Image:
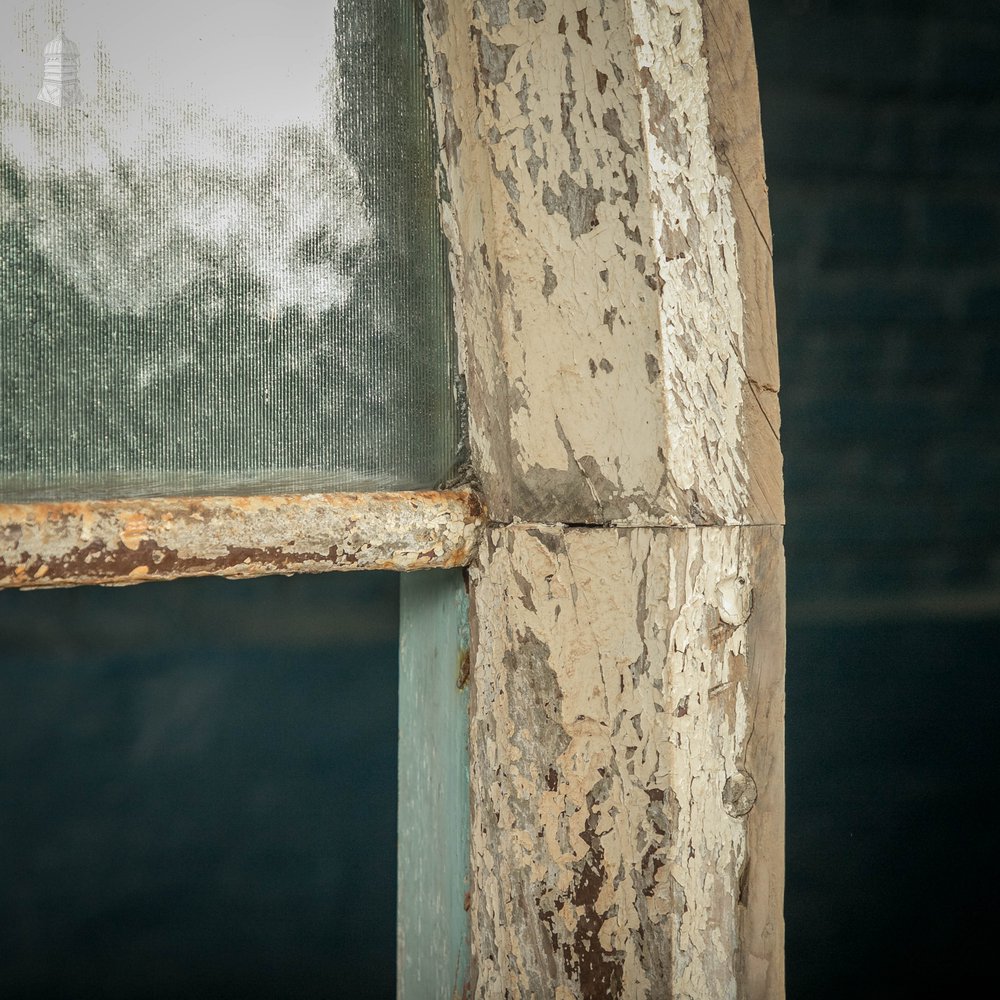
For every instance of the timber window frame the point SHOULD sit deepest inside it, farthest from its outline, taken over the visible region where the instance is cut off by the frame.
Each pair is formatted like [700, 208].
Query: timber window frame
[607, 213]
[604, 784]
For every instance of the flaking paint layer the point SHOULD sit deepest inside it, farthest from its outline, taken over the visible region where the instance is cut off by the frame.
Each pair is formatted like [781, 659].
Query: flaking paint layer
[595, 261]
[111, 542]
[694, 236]
[611, 730]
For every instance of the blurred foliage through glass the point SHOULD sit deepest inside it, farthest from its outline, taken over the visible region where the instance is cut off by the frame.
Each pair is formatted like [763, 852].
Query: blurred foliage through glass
[221, 264]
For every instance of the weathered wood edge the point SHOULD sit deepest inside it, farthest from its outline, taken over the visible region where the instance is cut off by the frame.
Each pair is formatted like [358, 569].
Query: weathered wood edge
[136, 541]
[737, 137]
[760, 966]
[627, 762]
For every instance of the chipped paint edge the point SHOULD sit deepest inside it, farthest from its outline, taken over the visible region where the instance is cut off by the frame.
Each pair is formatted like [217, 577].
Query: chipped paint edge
[640, 731]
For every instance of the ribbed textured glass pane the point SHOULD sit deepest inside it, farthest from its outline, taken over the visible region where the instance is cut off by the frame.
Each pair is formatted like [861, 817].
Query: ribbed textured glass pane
[221, 266]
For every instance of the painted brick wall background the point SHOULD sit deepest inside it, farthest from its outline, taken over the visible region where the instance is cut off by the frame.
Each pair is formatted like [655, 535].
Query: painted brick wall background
[882, 139]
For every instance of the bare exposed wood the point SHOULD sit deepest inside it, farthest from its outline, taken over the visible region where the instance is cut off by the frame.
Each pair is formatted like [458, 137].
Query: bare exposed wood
[761, 966]
[736, 135]
[115, 542]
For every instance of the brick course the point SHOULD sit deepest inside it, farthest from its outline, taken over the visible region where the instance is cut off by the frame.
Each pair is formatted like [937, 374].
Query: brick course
[882, 139]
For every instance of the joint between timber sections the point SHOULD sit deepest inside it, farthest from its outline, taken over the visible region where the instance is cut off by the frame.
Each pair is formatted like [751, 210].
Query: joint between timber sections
[630, 525]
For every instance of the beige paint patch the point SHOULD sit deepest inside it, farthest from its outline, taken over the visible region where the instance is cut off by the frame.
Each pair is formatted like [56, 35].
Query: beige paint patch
[694, 234]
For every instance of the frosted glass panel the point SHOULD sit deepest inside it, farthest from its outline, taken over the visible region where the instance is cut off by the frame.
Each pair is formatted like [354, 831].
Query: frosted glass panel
[221, 267]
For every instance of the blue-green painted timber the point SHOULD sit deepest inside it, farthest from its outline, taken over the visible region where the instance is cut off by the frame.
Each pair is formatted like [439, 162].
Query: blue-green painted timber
[433, 922]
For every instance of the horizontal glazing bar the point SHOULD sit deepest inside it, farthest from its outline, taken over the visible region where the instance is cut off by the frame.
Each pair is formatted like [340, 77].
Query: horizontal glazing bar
[125, 542]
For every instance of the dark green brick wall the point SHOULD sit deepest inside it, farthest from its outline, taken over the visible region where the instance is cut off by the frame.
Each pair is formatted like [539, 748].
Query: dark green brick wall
[882, 139]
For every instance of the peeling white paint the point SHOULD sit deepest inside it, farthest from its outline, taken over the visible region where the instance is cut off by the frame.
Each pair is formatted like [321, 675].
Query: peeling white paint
[596, 264]
[626, 676]
[701, 306]
[611, 790]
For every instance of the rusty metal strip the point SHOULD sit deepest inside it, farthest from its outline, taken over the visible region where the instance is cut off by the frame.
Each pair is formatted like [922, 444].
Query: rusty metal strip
[125, 542]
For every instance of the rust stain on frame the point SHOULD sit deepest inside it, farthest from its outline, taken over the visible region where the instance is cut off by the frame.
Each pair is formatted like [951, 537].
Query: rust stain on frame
[114, 542]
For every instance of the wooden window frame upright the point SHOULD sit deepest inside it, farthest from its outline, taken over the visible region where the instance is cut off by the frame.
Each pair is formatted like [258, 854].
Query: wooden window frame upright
[624, 679]
[591, 767]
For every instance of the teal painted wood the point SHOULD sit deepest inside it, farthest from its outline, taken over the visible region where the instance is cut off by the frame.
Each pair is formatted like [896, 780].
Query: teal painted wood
[433, 922]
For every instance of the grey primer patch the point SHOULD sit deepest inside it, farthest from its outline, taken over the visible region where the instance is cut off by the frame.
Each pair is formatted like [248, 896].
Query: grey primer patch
[576, 204]
[534, 9]
[550, 281]
[498, 12]
[494, 60]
